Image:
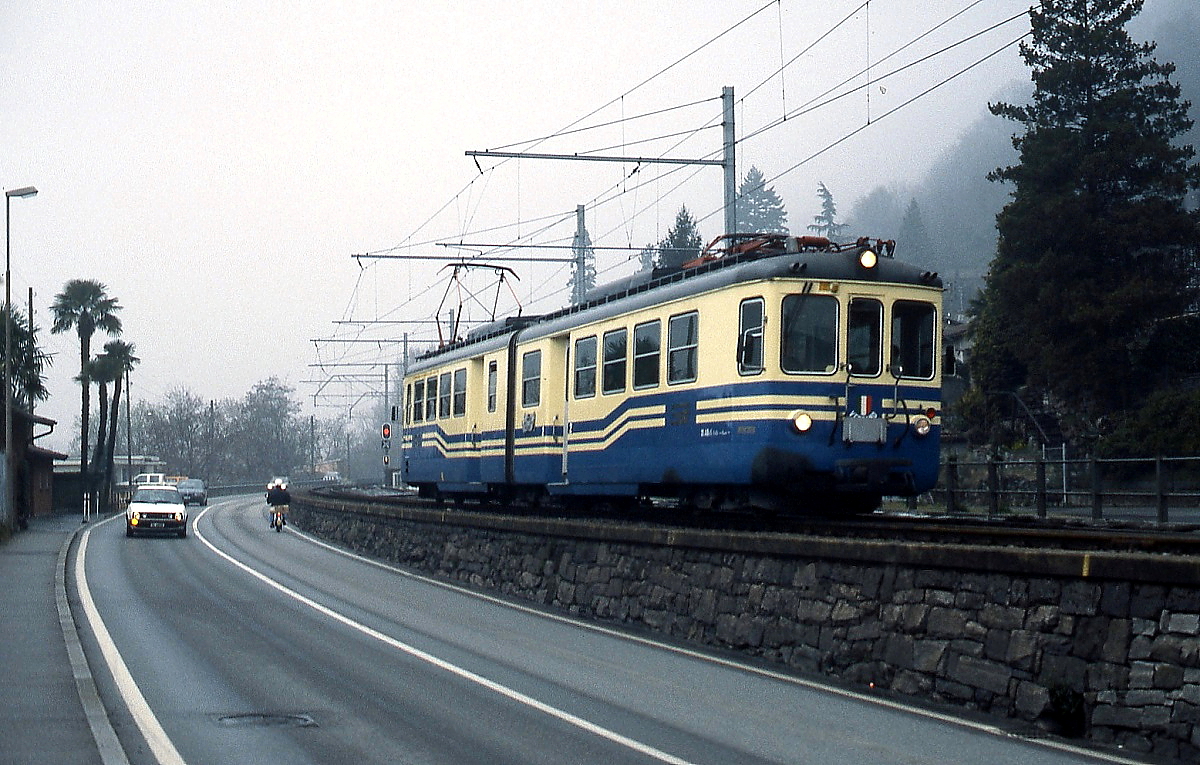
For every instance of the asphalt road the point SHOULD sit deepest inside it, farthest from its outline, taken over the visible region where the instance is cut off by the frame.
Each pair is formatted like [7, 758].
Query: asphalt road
[242, 645]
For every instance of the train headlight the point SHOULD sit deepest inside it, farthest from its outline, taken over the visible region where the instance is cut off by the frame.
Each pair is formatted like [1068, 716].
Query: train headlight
[802, 421]
[868, 259]
[922, 426]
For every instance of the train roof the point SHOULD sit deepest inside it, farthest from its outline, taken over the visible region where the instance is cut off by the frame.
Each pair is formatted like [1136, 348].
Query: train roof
[746, 258]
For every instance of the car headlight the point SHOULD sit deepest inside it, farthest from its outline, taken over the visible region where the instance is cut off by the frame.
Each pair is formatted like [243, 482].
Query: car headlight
[868, 259]
[178, 516]
[922, 426]
[802, 421]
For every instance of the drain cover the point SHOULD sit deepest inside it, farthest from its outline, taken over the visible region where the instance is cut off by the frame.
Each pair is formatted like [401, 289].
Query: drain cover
[266, 720]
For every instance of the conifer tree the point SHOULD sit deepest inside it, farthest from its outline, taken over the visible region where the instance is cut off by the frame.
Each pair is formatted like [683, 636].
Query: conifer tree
[826, 223]
[1096, 250]
[759, 208]
[682, 242]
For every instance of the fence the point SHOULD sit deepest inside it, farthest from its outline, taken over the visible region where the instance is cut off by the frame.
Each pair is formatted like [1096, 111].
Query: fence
[1162, 489]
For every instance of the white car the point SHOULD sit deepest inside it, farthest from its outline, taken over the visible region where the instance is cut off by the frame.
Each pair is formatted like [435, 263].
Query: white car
[156, 510]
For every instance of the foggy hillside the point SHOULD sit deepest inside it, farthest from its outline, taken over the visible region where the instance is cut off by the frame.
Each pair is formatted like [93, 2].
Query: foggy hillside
[955, 231]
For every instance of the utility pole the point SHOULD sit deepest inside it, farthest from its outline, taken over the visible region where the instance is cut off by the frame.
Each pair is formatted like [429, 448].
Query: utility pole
[580, 247]
[729, 162]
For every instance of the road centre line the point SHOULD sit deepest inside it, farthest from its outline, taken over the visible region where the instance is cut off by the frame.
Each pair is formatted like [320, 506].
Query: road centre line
[442, 664]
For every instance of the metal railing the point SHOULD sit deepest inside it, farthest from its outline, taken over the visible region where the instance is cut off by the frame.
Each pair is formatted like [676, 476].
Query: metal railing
[1160, 489]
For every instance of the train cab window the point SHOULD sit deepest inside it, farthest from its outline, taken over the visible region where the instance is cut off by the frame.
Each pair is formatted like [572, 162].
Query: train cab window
[647, 345]
[913, 326]
[808, 339]
[750, 337]
[585, 367]
[531, 378]
[431, 386]
[418, 401]
[444, 395]
[683, 340]
[615, 346]
[459, 403]
[493, 378]
[864, 337]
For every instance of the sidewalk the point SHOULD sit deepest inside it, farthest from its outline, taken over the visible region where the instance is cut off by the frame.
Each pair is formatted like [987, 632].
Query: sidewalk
[41, 717]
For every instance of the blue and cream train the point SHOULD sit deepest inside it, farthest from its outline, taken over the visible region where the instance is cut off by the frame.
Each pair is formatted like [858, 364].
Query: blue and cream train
[773, 371]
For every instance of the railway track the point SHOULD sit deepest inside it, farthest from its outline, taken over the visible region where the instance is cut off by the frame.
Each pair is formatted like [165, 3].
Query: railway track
[1015, 532]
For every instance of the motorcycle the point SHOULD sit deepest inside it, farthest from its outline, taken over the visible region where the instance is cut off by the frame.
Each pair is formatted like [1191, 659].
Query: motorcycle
[278, 521]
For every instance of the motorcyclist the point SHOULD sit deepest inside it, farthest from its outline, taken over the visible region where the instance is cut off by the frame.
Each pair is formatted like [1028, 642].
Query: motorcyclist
[279, 499]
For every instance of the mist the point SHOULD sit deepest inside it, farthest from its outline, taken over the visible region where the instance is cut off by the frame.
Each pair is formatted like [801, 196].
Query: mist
[958, 204]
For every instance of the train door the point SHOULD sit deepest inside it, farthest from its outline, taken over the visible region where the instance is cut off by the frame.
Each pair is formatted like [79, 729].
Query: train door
[566, 410]
[864, 421]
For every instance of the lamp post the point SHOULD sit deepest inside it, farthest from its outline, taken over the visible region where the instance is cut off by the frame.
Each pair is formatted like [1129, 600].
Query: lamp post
[9, 478]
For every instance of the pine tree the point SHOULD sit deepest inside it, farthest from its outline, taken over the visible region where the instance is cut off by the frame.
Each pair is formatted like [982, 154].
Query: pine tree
[826, 224]
[582, 280]
[913, 237]
[759, 208]
[682, 242]
[1095, 245]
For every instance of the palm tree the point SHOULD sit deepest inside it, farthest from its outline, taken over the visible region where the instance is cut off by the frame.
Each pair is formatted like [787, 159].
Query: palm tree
[102, 370]
[120, 356]
[28, 363]
[85, 305]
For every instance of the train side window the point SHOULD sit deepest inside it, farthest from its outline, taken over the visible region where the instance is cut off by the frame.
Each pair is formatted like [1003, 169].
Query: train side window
[913, 325]
[531, 378]
[418, 401]
[615, 346]
[431, 399]
[460, 393]
[683, 340]
[444, 396]
[864, 337]
[493, 378]
[750, 337]
[647, 346]
[585, 367]
[808, 338]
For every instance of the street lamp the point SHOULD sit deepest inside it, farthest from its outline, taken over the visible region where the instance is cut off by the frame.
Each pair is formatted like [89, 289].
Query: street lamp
[9, 478]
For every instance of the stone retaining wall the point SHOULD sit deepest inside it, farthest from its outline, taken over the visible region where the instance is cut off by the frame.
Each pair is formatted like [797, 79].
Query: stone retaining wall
[1115, 661]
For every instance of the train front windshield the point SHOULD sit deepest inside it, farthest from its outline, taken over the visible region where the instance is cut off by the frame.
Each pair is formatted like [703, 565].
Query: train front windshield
[810, 336]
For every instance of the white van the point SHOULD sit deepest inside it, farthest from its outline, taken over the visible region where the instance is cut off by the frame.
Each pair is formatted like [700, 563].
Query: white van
[149, 479]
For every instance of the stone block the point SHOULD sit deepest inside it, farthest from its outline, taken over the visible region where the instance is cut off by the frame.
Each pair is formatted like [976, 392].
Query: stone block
[1023, 649]
[898, 651]
[1068, 671]
[981, 673]
[1147, 601]
[1117, 716]
[1031, 699]
[1114, 599]
[941, 598]
[946, 622]
[1168, 677]
[927, 655]
[1183, 624]
[1080, 598]
[1000, 617]
[1042, 618]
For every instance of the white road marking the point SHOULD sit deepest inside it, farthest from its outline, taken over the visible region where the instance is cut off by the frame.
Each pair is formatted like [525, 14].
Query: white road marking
[993, 730]
[164, 751]
[454, 669]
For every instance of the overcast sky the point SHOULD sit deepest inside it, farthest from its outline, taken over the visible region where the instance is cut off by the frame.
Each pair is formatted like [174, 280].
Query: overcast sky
[217, 164]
